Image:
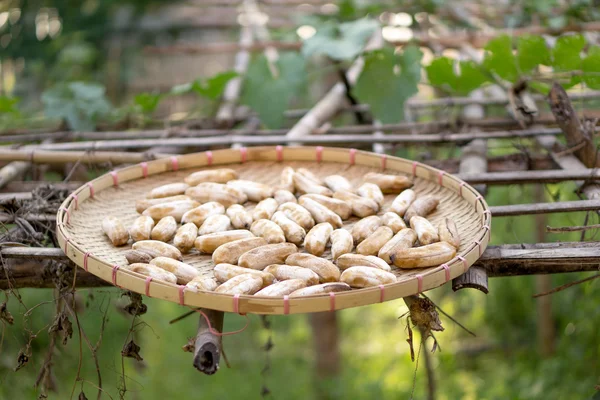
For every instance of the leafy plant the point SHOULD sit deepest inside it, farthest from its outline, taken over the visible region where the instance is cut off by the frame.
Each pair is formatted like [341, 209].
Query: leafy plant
[147, 102]
[210, 88]
[80, 104]
[8, 105]
[462, 80]
[270, 95]
[340, 41]
[388, 80]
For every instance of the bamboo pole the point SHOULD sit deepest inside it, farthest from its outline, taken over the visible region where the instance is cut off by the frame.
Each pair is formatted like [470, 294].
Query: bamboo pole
[499, 261]
[334, 100]
[231, 94]
[250, 140]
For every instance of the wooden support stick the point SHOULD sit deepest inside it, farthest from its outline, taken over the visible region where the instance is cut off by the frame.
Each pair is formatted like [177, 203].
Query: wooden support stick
[12, 171]
[208, 346]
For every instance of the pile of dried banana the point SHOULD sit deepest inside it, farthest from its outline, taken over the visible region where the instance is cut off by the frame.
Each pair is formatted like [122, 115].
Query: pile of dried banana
[257, 251]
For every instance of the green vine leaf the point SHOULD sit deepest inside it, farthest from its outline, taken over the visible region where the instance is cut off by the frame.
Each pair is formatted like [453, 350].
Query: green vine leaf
[81, 104]
[388, 80]
[499, 58]
[8, 105]
[147, 102]
[531, 52]
[468, 77]
[591, 68]
[340, 42]
[270, 96]
[566, 52]
[212, 88]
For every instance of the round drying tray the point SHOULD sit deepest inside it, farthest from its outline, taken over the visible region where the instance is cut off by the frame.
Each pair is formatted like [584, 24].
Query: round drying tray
[80, 235]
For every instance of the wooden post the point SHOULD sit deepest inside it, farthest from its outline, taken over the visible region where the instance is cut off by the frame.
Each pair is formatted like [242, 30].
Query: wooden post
[208, 346]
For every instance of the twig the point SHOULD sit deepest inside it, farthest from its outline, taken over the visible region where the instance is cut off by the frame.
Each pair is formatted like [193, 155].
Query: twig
[183, 316]
[571, 228]
[451, 317]
[566, 286]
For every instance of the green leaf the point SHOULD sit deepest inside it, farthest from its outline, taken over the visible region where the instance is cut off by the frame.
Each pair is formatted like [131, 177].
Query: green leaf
[8, 105]
[213, 87]
[81, 104]
[541, 87]
[531, 52]
[340, 42]
[566, 52]
[441, 73]
[270, 96]
[387, 81]
[499, 58]
[147, 102]
[470, 76]
[591, 68]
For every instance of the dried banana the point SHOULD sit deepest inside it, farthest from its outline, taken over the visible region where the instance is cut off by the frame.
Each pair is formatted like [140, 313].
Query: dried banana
[305, 185]
[365, 227]
[265, 209]
[284, 196]
[393, 221]
[152, 271]
[221, 175]
[229, 253]
[209, 243]
[283, 272]
[260, 257]
[338, 182]
[448, 232]
[205, 283]
[293, 232]
[403, 201]
[286, 181]
[224, 272]
[157, 249]
[426, 232]
[421, 207]
[268, 230]
[165, 229]
[142, 205]
[175, 209]
[281, 288]
[184, 272]
[215, 223]
[323, 288]
[371, 191]
[138, 257]
[241, 284]
[358, 260]
[199, 214]
[362, 277]
[429, 255]
[361, 206]
[372, 244]
[168, 190]
[326, 270]
[298, 214]
[309, 175]
[221, 193]
[317, 238]
[389, 183]
[141, 228]
[254, 190]
[240, 218]
[185, 236]
[404, 239]
[114, 229]
[341, 243]
[340, 207]
[321, 213]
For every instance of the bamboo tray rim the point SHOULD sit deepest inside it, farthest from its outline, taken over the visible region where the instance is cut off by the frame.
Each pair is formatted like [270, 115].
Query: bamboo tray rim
[420, 282]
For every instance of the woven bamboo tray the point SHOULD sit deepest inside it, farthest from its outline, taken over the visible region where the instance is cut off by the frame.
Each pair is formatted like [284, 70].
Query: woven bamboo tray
[80, 235]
